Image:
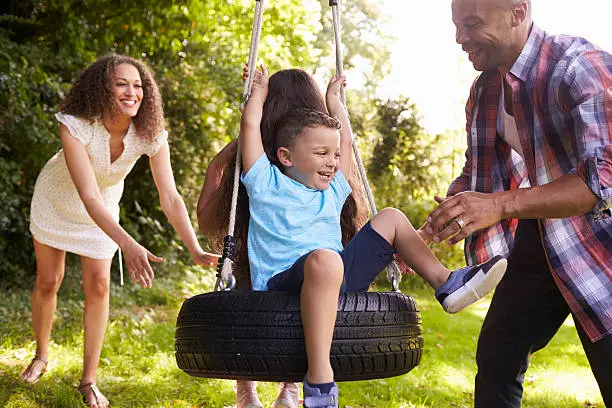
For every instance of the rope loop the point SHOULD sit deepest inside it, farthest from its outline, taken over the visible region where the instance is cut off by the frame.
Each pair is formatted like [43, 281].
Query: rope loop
[223, 285]
[225, 279]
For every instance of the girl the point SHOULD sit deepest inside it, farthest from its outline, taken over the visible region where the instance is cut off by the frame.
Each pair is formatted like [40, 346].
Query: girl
[111, 116]
[288, 90]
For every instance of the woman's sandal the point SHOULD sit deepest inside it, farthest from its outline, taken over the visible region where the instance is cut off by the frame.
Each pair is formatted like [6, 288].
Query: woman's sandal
[92, 397]
[34, 371]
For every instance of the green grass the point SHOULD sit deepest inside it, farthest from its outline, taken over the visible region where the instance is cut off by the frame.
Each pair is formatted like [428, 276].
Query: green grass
[137, 367]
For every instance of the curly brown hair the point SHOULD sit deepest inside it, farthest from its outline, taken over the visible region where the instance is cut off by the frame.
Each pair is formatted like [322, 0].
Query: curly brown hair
[91, 94]
[288, 90]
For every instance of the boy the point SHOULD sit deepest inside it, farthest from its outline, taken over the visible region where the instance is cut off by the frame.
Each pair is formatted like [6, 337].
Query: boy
[294, 238]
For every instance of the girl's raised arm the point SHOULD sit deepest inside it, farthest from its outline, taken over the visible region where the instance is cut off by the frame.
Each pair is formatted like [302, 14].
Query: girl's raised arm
[250, 133]
[336, 108]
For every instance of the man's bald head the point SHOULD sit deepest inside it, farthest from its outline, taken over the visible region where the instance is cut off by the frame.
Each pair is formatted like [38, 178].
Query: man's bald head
[504, 4]
[508, 4]
[492, 32]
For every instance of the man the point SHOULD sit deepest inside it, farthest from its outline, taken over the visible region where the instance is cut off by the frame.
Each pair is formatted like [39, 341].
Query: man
[537, 184]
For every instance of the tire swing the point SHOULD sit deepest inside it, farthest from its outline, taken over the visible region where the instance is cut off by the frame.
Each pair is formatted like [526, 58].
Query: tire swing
[259, 336]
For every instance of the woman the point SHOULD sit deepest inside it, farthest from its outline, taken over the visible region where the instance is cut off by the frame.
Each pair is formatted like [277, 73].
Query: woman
[111, 116]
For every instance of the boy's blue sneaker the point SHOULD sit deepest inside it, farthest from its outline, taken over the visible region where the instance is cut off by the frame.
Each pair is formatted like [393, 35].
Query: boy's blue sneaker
[313, 398]
[467, 285]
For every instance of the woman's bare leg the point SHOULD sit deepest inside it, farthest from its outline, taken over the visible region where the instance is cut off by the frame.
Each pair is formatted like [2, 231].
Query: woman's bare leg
[96, 284]
[50, 267]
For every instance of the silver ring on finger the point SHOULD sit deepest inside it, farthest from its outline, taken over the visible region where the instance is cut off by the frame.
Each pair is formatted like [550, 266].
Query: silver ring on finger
[460, 222]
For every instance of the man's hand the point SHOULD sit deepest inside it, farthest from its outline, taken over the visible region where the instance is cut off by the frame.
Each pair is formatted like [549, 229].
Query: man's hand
[460, 216]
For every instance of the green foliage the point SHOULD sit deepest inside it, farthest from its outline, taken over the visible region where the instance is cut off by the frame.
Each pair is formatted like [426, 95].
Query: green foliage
[196, 50]
[404, 164]
[363, 41]
[27, 138]
[407, 166]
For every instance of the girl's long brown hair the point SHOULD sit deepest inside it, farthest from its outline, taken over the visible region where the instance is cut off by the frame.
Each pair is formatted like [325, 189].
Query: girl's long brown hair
[287, 90]
[91, 94]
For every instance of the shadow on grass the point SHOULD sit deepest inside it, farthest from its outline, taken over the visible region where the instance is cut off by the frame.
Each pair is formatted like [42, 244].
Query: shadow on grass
[45, 393]
[196, 392]
[175, 390]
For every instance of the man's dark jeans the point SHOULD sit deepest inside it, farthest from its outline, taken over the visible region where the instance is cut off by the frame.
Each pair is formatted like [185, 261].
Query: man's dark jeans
[526, 311]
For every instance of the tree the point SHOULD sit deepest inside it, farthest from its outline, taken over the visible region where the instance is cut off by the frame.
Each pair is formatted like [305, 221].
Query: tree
[196, 50]
[407, 166]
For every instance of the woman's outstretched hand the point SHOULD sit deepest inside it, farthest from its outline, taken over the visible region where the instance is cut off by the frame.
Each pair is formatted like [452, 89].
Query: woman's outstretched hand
[137, 260]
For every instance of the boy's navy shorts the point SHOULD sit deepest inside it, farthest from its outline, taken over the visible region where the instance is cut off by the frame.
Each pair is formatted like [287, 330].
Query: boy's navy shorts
[364, 257]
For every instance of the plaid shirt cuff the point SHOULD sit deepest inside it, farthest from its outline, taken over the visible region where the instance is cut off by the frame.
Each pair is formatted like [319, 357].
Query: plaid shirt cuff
[596, 172]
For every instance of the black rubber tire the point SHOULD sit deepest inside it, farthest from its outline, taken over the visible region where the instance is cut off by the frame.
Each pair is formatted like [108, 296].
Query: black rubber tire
[259, 336]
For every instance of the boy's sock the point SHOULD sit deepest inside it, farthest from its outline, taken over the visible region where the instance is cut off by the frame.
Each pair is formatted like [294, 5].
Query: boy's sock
[320, 395]
[467, 285]
[325, 388]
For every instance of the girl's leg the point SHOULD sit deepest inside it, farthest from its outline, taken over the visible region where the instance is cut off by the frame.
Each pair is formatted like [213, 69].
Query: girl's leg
[49, 274]
[393, 225]
[323, 275]
[288, 396]
[246, 395]
[96, 282]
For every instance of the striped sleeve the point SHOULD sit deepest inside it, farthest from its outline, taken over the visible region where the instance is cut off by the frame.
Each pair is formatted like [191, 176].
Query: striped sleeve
[590, 118]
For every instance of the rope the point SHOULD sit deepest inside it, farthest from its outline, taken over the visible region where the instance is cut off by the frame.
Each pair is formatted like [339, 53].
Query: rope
[225, 278]
[393, 273]
[255, 36]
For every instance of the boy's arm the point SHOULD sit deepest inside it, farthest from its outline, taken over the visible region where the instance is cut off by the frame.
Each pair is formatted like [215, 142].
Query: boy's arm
[336, 108]
[250, 133]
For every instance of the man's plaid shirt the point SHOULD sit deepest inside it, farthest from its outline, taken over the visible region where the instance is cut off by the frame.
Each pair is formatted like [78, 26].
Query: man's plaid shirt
[562, 102]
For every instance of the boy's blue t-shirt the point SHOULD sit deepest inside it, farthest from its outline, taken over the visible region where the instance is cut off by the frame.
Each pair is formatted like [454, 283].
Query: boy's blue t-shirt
[289, 219]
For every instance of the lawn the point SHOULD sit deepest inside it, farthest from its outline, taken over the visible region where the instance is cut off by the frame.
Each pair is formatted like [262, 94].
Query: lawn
[138, 369]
